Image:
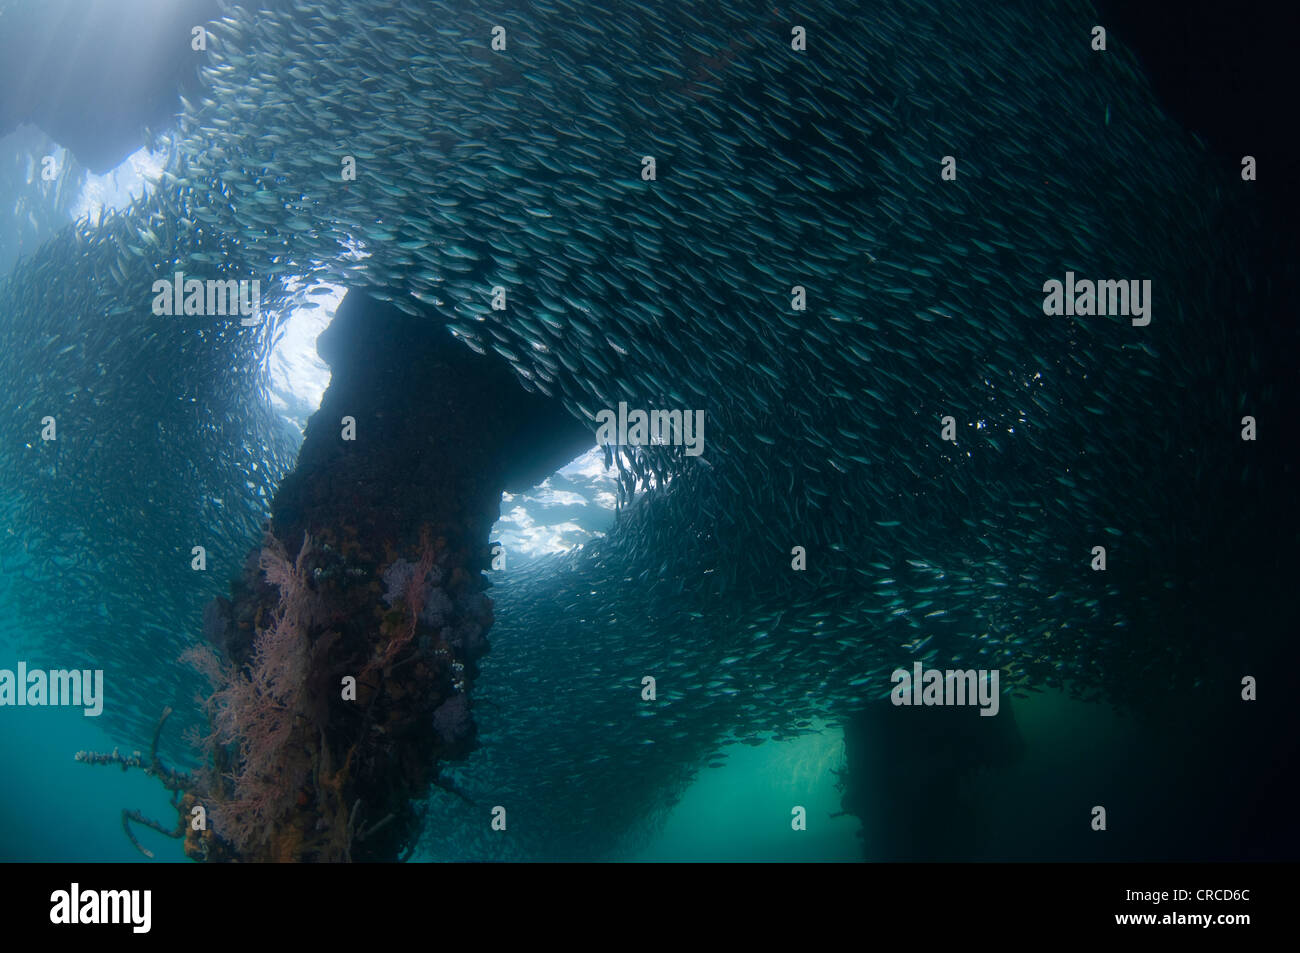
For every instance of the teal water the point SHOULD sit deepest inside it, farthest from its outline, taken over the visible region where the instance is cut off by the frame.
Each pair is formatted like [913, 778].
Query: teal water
[741, 812]
[54, 809]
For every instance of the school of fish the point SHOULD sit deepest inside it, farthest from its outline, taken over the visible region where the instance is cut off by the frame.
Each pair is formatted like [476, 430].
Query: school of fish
[522, 168]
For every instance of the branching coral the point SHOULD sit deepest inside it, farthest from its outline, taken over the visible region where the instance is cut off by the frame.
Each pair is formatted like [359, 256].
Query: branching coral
[259, 708]
[175, 781]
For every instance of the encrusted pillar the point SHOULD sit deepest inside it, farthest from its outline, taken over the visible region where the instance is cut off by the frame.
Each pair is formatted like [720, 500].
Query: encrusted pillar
[344, 662]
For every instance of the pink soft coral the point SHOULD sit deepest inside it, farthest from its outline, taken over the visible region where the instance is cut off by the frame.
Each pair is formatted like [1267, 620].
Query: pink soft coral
[258, 707]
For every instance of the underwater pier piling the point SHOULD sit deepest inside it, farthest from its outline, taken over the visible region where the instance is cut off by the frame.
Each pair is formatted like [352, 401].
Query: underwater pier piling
[343, 663]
